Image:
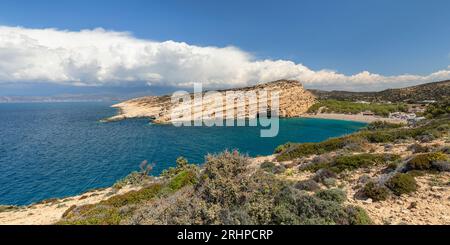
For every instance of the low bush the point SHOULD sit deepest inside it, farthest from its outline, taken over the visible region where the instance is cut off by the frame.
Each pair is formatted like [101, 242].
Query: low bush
[392, 166]
[279, 169]
[445, 150]
[307, 149]
[323, 174]
[272, 167]
[94, 215]
[284, 147]
[425, 138]
[329, 182]
[425, 161]
[334, 195]
[181, 165]
[418, 148]
[312, 210]
[375, 191]
[402, 183]
[268, 166]
[7, 208]
[377, 125]
[352, 162]
[380, 137]
[134, 197]
[182, 179]
[358, 216]
[441, 166]
[437, 109]
[307, 185]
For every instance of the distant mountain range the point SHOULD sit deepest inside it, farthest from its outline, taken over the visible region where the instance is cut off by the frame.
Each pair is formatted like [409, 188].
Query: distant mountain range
[60, 98]
[428, 91]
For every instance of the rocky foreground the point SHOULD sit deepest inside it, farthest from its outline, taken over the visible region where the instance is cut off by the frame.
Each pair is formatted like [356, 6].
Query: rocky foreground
[294, 100]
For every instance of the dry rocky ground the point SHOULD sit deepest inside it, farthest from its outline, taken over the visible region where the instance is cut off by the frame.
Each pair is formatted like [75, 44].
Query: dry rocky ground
[429, 205]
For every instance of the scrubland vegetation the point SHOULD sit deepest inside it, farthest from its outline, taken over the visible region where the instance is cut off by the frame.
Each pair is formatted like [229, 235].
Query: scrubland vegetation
[348, 107]
[224, 191]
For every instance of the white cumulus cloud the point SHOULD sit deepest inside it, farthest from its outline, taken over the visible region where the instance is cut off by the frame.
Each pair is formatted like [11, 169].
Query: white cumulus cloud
[99, 57]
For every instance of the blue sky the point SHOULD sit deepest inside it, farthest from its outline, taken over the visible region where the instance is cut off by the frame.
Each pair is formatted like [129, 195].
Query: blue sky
[383, 37]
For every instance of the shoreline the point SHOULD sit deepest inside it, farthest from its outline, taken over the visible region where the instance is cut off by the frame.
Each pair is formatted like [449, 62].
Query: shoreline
[353, 117]
[49, 211]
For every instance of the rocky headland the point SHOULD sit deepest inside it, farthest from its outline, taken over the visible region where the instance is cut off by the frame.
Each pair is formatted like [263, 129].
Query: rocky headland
[294, 100]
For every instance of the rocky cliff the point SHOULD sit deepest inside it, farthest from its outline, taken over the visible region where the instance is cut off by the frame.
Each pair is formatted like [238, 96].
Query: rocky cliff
[294, 100]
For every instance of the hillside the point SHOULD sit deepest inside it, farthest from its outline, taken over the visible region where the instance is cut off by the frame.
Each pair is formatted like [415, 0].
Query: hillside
[429, 91]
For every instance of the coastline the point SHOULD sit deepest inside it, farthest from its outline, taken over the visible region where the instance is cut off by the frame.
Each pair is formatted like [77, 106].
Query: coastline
[427, 210]
[50, 211]
[352, 117]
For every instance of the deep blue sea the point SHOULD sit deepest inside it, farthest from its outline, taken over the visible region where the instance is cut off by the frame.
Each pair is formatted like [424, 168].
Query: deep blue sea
[60, 149]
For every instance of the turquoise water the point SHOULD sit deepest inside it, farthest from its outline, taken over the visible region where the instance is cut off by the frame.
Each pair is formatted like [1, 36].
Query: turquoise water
[60, 149]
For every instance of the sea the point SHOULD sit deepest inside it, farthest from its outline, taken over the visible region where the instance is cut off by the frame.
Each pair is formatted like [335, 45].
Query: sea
[53, 150]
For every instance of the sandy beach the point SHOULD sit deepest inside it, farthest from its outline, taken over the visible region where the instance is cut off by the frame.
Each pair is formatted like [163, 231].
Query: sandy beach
[353, 117]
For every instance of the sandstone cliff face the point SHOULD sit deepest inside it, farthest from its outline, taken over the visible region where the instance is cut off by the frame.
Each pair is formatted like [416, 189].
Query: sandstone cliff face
[294, 100]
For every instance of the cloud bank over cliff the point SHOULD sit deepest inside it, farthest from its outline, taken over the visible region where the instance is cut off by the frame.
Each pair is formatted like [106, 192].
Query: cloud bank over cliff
[100, 57]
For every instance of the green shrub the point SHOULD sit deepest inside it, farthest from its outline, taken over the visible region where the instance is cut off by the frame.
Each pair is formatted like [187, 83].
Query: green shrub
[330, 182]
[348, 107]
[352, 162]
[375, 192]
[441, 166]
[135, 178]
[322, 174]
[284, 147]
[424, 161]
[392, 166]
[181, 165]
[418, 148]
[380, 137]
[92, 214]
[279, 169]
[402, 183]
[307, 185]
[182, 179]
[307, 149]
[437, 109]
[7, 208]
[358, 216]
[377, 125]
[133, 197]
[313, 210]
[334, 195]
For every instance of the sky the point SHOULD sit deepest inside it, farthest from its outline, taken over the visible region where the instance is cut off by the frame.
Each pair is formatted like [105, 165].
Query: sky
[91, 46]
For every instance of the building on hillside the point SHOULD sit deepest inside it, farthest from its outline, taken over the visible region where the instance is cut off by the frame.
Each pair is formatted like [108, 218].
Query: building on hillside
[402, 116]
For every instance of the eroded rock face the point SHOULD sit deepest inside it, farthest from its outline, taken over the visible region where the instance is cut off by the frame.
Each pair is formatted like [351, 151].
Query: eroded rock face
[294, 100]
